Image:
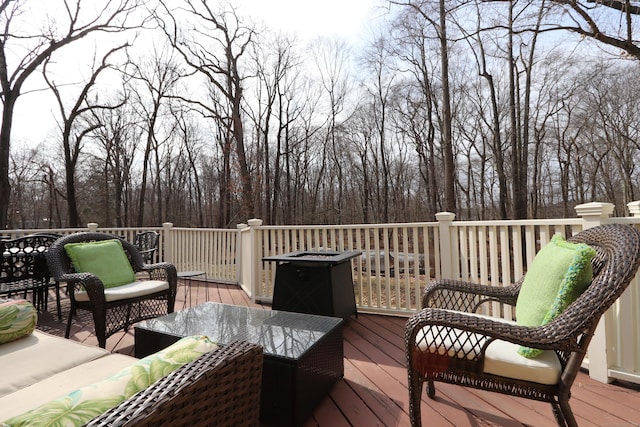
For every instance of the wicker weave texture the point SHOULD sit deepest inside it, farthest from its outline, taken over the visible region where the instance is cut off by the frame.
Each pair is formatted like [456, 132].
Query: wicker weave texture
[221, 389]
[614, 266]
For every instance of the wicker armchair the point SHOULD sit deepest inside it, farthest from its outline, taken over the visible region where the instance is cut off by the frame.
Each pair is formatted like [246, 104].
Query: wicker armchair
[464, 338]
[110, 316]
[221, 389]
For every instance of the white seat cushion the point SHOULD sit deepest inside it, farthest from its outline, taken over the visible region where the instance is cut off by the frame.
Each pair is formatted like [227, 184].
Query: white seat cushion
[131, 290]
[35, 357]
[62, 383]
[501, 357]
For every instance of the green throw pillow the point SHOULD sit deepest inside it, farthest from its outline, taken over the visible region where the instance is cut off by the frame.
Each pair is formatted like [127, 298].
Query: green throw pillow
[559, 273]
[82, 405]
[17, 319]
[105, 258]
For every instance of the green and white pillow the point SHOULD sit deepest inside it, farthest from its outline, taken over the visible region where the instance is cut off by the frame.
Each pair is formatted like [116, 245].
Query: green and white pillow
[559, 273]
[82, 405]
[17, 319]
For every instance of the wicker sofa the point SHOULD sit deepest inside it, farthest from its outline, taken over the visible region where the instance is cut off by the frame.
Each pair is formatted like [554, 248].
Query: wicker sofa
[219, 388]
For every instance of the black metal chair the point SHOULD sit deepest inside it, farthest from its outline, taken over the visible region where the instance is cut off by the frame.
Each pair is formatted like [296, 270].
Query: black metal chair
[147, 244]
[112, 313]
[24, 269]
[448, 342]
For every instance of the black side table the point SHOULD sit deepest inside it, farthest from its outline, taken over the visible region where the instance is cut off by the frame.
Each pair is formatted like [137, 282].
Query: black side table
[187, 276]
[317, 282]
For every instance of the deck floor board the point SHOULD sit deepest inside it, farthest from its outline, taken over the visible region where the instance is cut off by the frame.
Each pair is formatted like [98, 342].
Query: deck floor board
[374, 389]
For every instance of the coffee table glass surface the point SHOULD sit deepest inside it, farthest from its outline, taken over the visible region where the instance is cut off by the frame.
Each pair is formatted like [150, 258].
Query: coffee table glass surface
[281, 334]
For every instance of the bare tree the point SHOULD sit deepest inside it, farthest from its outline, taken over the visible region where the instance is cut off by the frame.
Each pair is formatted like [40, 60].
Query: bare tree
[423, 9]
[72, 23]
[276, 65]
[377, 62]
[72, 142]
[28, 210]
[611, 22]
[190, 138]
[491, 116]
[587, 20]
[214, 47]
[612, 110]
[116, 138]
[331, 60]
[421, 106]
[157, 77]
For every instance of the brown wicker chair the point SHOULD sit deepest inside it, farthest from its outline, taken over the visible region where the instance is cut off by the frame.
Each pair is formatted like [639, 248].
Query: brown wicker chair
[448, 301]
[221, 389]
[111, 316]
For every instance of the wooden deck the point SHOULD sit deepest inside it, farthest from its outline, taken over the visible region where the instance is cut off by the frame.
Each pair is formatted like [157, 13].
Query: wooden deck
[374, 389]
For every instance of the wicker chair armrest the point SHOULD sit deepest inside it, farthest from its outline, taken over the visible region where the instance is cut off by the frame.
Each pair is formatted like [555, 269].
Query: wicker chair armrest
[467, 297]
[163, 271]
[164, 268]
[146, 252]
[86, 281]
[221, 388]
[458, 326]
[78, 278]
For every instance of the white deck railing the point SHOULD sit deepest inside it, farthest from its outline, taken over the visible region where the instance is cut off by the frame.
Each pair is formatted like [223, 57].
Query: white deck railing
[398, 260]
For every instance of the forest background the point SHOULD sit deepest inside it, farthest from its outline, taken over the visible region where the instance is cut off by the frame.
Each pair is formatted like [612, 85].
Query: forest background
[194, 112]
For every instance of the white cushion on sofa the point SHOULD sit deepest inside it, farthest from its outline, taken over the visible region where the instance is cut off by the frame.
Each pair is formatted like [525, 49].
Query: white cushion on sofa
[33, 358]
[502, 358]
[131, 290]
[62, 383]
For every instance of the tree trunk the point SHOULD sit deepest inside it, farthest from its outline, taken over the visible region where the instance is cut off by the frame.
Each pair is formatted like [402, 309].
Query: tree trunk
[5, 148]
[447, 138]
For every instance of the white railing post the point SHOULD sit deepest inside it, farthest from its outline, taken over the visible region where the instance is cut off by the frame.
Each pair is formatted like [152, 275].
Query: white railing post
[594, 214]
[251, 244]
[447, 257]
[167, 239]
[92, 226]
[634, 208]
[243, 253]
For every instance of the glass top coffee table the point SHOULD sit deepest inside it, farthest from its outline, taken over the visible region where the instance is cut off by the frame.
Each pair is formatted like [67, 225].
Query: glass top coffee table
[303, 353]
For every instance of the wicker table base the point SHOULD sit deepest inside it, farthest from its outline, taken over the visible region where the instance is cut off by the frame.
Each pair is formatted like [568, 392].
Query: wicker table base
[303, 354]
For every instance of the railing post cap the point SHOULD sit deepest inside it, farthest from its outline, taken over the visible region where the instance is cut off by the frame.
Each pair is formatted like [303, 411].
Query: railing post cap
[254, 222]
[634, 208]
[167, 224]
[92, 225]
[595, 209]
[445, 216]
[241, 226]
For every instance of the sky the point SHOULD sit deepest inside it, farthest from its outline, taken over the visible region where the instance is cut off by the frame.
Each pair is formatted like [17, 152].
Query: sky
[350, 20]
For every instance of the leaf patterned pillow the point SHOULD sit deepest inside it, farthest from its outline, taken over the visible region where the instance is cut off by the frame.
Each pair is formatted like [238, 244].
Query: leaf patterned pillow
[88, 402]
[17, 319]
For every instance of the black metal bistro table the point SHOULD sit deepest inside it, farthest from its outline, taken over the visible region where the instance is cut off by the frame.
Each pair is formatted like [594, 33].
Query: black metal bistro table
[315, 282]
[303, 354]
